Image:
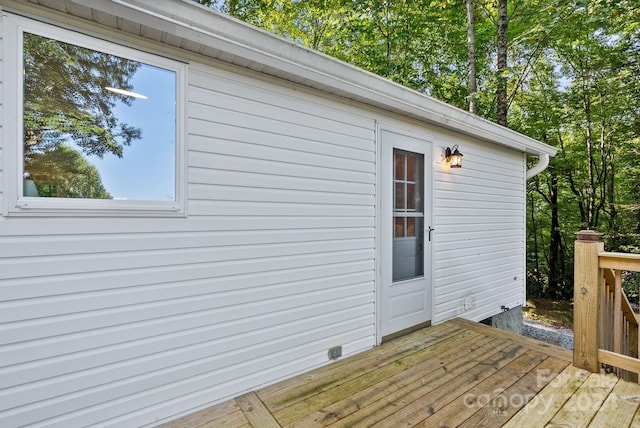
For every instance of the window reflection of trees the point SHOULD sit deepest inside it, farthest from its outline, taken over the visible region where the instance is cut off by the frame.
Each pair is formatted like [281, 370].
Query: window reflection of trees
[65, 101]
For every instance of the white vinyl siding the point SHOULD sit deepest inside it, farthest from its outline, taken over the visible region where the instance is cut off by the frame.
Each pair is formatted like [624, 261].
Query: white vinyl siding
[106, 319]
[480, 248]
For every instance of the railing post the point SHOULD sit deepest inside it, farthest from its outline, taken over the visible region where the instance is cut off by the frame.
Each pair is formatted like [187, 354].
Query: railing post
[586, 290]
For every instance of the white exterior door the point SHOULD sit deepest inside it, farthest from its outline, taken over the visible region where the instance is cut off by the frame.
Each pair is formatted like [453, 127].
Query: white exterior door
[405, 232]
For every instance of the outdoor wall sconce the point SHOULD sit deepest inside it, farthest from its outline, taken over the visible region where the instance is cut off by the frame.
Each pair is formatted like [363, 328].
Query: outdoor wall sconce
[453, 157]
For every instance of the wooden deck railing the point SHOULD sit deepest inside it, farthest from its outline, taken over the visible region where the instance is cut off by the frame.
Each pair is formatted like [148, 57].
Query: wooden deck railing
[605, 325]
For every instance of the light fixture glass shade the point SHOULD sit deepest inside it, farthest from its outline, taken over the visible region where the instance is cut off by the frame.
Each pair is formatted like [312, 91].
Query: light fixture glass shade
[453, 157]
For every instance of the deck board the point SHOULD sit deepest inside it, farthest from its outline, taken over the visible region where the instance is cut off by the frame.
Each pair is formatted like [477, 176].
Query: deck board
[458, 373]
[508, 402]
[347, 389]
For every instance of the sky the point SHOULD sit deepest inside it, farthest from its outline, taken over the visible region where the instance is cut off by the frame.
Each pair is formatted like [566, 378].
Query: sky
[147, 169]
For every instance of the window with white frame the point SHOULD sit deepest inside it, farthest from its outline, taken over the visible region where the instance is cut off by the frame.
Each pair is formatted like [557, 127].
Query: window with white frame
[100, 125]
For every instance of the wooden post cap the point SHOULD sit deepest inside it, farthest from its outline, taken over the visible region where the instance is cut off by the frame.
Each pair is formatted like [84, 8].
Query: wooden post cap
[589, 236]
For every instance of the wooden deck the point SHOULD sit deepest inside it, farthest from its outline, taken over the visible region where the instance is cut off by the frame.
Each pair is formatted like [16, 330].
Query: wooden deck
[455, 374]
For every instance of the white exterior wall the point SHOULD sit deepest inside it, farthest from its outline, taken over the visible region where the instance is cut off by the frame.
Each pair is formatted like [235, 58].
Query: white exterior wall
[105, 318]
[125, 321]
[480, 214]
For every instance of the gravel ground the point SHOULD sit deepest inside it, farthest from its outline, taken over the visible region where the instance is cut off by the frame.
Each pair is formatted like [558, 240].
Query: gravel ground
[557, 336]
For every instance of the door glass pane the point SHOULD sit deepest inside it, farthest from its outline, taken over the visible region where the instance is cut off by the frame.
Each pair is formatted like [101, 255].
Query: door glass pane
[400, 197]
[408, 239]
[411, 196]
[411, 168]
[411, 226]
[399, 166]
[399, 227]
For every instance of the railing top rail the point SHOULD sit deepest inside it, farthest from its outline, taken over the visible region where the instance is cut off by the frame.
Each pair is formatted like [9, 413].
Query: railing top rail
[622, 261]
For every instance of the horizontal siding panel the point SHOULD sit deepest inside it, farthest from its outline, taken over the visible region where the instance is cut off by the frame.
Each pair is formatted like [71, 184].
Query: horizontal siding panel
[140, 416]
[239, 127]
[481, 181]
[211, 142]
[505, 168]
[167, 275]
[475, 201]
[138, 333]
[242, 209]
[79, 355]
[201, 357]
[24, 227]
[446, 269]
[486, 254]
[447, 188]
[513, 239]
[201, 161]
[484, 308]
[507, 289]
[259, 178]
[293, 100]
[516, 212]
[25, 309]
[86, 244]
[330, 197]
[494, 159]
[461, 218]
[113, 398]
[480, 232]
[264, 117]
[498, 295]
[166, 320]
[480, 226]
[39, 328]
[510, 289]
[458, 286]
[258, 372]
[264, 258]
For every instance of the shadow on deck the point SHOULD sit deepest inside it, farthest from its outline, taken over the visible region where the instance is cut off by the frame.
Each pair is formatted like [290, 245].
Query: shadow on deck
[458, 373]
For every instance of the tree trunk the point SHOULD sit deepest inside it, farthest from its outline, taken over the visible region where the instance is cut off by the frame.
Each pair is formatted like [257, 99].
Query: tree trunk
[501, 69]
[471, 43]
[534, 289]
[591, 190]
[555, 241]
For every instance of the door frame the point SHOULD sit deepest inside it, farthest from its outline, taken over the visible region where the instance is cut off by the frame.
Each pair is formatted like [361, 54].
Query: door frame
[429, 189]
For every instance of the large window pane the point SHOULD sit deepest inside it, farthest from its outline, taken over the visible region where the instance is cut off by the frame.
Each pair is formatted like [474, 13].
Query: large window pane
[96, 125]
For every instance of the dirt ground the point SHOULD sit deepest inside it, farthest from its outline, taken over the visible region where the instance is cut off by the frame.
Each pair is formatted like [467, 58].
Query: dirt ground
[556, 313]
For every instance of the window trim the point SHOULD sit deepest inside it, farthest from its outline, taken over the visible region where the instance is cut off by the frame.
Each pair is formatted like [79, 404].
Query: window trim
[15, 204]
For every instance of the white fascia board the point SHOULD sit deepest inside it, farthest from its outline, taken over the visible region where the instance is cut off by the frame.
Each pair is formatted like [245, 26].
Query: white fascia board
[280, 57]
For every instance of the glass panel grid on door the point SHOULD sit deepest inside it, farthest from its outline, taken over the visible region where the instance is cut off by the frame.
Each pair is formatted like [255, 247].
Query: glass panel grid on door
[408, 215]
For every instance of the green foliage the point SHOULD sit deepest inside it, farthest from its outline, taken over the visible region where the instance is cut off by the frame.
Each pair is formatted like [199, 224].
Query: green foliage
[64, 97]
[64, 173]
